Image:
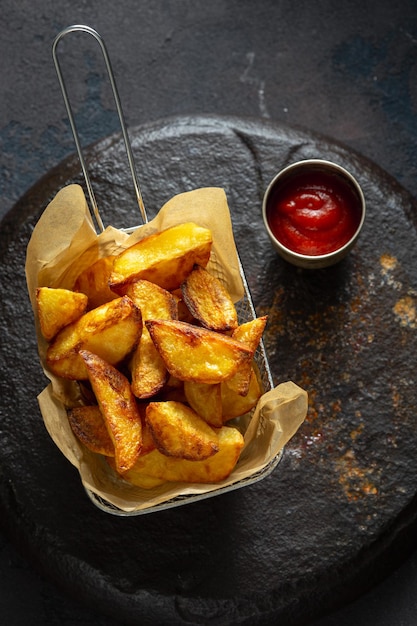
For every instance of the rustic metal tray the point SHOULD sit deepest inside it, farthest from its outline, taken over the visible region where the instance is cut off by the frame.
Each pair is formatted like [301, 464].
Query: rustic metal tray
[341, 511]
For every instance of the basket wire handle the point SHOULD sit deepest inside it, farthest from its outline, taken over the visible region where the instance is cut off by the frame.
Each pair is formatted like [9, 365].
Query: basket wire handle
[98, 38]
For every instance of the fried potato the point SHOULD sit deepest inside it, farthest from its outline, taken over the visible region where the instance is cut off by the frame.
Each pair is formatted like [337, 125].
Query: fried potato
[58, 308]
[155, 309]
[249, 333]
[171, 469]
[153, 301]
[88, 425]
[193, 353]
[234, 404]
[178, 431]
[208, 301]
[149, 373]
[94, 282]
[164, 258]
[206, 401]
[111, 331]
[118, 407]
[141, 480]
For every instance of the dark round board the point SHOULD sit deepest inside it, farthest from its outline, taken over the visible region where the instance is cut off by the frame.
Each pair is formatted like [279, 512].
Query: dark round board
[339, 510]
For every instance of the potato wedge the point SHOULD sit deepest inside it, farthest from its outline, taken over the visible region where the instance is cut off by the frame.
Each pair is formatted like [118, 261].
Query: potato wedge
[153, 301]
[209, 301]
[178, 431]
[141, 480]
[206, 400]
[88, 425]
[249, 333]
[118, 407]
[94, 282]
[58, 308]
[111, 331]
[234, 404]
[164, 258]
[193, 353]
[149, 372]
[171, 469]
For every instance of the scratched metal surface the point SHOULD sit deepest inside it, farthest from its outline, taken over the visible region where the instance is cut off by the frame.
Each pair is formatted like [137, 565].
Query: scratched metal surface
[330, 519]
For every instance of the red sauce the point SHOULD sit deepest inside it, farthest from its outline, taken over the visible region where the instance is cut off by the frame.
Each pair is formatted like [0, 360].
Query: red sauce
[314, 213]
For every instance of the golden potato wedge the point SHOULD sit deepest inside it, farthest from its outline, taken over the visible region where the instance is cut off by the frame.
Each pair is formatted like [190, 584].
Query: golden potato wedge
[206, 401]
[234, 404]
[178, 431]
[88, 425]
[153, 301]
[118, 407]
[249, 333]
[142, 481]
[58, 308]
[111, 331]
[171, 469]
[149, 373]
[94, 282]
[164, 258]
[209, 301]
[194, 353]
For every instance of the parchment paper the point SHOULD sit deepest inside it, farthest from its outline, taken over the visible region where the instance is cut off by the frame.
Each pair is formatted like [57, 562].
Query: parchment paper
[63, 244]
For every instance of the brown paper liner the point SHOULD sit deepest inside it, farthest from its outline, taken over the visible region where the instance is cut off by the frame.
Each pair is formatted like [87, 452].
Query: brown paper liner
[63, 244]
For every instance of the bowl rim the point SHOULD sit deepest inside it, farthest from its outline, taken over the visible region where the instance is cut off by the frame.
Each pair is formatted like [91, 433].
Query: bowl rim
[315, 163]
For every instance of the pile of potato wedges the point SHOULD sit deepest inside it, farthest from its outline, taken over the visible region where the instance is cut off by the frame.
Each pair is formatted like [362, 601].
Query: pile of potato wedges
[154, 340]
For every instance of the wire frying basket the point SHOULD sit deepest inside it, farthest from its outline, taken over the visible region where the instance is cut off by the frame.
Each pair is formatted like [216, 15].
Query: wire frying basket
[245, 307]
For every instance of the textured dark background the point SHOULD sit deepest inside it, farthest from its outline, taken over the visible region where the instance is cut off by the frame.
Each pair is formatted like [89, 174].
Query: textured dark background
[347, 71]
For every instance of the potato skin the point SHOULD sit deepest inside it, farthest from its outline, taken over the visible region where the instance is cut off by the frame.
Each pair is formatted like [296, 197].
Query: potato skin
[88, 425]
[208, 301]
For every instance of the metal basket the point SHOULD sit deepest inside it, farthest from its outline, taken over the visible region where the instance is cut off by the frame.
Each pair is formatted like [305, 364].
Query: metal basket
[245, 308]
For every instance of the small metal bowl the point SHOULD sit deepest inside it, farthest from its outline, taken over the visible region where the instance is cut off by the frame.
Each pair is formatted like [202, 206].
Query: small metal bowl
[314, 174]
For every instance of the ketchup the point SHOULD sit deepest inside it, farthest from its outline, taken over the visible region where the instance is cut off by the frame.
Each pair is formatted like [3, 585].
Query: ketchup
[314, 212]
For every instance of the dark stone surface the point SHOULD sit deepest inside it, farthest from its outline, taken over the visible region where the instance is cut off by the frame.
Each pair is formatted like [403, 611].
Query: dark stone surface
[338, 512]
[345, 70]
